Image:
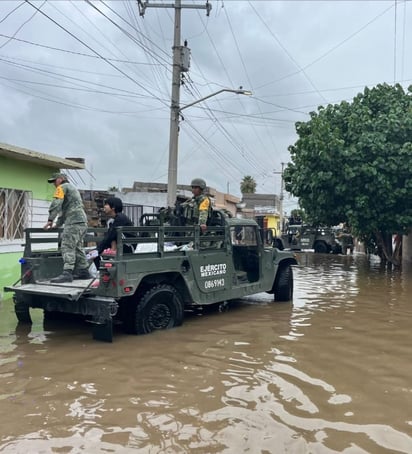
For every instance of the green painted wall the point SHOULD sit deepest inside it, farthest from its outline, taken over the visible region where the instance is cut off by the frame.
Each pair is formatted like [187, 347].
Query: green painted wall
[9, 271]
[27, 176]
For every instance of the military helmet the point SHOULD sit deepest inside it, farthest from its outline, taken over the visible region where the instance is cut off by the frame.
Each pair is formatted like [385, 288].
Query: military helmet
[56, 175]
[199, 182]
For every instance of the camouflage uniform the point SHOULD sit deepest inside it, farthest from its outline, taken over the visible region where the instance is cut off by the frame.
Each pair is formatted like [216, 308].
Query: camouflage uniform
[346, 240]
[67, 203]
[197, 210]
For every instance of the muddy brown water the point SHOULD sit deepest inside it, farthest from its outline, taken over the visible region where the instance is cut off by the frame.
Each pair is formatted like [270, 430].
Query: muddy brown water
[329, 373]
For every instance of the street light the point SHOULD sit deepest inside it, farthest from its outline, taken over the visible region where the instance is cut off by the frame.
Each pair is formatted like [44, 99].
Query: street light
[175, 112]
[231, 90]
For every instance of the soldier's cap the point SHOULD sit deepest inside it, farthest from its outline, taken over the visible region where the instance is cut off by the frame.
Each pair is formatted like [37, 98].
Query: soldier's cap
[56, 175]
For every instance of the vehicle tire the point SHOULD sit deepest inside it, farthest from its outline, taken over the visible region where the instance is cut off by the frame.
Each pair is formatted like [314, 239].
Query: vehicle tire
[22, 311]
[278, 244]
[284, 284]
[336, 249]
[320, 247]
[53, 315]
[161, 307]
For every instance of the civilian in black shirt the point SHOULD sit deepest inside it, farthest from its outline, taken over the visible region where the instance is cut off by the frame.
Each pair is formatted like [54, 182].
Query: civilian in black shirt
[113, 208]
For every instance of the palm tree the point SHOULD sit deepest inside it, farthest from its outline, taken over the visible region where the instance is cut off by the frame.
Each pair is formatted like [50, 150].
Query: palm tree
[248, 185]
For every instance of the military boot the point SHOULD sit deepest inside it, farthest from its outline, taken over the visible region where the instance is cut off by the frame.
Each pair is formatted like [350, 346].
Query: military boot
[82, 274]
[66, 276]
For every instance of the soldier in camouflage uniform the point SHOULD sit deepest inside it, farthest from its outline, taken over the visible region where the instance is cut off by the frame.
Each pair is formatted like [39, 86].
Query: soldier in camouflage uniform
[198, 209]
[68, 206]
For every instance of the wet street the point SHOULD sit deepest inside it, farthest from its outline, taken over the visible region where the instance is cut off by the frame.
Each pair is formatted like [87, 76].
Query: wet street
[329, 373]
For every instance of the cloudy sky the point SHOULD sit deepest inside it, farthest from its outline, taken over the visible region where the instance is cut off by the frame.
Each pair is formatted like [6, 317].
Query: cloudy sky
[93, 79]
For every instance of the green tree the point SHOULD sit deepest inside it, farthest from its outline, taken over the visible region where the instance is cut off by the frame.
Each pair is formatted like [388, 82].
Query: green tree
[352, 163]
[113, 189]
[248, 185]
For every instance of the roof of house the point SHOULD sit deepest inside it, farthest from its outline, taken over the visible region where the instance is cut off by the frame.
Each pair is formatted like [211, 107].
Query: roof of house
[23, 154]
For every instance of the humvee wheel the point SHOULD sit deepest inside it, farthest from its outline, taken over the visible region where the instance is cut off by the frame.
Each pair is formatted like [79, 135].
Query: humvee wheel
[22, 310]
[336, 249]
[53, 315]
[320, 247]
[284, 284]
[161, 307]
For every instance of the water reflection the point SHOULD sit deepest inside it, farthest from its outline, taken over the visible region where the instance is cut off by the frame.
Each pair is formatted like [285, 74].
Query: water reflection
[328, 373]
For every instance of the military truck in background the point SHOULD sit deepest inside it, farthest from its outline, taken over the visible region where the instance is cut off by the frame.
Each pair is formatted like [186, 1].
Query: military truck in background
[301, 237]
[173, 268]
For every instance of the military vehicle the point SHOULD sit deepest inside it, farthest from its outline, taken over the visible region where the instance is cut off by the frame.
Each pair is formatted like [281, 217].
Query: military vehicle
[173, 268]
[300, 237]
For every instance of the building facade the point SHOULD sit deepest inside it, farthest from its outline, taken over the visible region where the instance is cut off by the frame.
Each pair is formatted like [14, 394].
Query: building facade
[25, 197]
[265, 209]
[155, 194]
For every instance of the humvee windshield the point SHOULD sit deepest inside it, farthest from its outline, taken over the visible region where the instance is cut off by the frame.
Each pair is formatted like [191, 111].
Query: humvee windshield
[244, 235]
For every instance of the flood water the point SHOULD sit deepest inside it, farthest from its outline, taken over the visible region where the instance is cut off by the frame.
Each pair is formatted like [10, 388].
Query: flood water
[329, 373]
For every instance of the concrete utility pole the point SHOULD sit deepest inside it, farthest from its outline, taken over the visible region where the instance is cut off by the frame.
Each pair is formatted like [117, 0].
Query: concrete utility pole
[180, 64]
[281, 194]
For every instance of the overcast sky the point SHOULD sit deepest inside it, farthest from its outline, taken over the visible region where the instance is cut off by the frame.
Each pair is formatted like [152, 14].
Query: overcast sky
[93, 80]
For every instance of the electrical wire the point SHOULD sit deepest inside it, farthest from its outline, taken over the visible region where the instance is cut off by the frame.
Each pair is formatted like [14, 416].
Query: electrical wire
[58, 49]
[22, 25]
[11, 12]
[75, 79]
[97, 53]
[332, 49]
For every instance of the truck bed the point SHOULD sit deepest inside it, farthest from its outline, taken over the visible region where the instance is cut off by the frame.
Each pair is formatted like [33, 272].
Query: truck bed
[75, 297]
[71, 291]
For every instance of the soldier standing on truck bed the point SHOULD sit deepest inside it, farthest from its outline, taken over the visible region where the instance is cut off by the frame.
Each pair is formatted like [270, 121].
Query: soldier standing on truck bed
[198, 209]
[68, 206]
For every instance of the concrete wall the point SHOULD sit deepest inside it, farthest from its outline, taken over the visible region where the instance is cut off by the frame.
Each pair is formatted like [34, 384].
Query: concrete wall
[254, 200]
[25, 176]
[15, 174]
[9, 271]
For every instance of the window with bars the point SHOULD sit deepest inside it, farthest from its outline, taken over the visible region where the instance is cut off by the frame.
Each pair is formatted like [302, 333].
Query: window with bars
[14, 213]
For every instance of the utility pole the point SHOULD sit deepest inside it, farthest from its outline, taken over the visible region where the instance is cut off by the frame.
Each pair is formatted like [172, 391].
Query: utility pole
[181, 55]
[281, 195]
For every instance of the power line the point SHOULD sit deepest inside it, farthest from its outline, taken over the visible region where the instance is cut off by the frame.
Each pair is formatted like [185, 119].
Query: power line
[58, 49]
[72, 78]
[97, 53]
[23, 24]
[301, 70]
[332, 49]
[11, 12]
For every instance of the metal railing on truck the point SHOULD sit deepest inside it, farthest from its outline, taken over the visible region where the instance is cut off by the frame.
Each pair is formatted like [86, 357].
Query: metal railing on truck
[162, 238]
[36, 240]
[166, 239]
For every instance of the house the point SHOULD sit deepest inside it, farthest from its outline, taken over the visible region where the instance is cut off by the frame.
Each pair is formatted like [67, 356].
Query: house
[155, 195]
[264, 208]
[25, 197]
[148, 198]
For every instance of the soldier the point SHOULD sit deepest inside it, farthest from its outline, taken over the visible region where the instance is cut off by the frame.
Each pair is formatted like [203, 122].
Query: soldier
[346, 240]
[68, 206]
[199, 208]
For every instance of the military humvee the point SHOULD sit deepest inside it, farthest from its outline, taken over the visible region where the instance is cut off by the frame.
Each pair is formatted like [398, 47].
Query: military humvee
[299, 237]
[173, 268]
